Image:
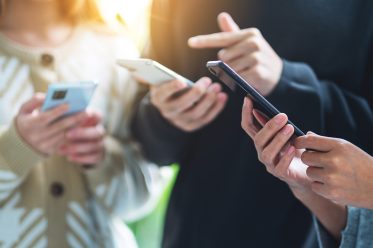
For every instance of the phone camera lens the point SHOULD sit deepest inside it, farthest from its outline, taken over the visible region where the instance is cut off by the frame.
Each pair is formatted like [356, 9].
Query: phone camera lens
[60, 94]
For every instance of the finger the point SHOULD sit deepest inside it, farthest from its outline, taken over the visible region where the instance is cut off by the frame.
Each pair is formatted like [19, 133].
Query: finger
[271, 152]
[78, 148]
[219, 40]
[216, 109]
[247, 122]
[316, 174]
[86, 133]
[203, 106]
[282, 166]
[260, 117]
[46, 118]
[244, 63]
[269, 130]
[190, 98]
[34, 103]
[315, 142]
[312, 158]
[161, 93]
[244, 47]
[51, 145]
[63, 125]
[226, 23]
[93, 158]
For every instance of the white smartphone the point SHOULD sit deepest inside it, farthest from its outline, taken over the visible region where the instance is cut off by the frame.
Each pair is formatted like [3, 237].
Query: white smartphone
[76, 95]
[151, 71]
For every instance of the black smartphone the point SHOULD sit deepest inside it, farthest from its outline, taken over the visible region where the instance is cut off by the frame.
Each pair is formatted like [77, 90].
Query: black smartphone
[231, 79]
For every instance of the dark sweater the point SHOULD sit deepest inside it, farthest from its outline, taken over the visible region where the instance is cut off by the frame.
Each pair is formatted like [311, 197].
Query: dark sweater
[223, 196]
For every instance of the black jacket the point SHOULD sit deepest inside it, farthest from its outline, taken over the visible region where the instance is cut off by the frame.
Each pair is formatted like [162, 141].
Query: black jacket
[223, 197]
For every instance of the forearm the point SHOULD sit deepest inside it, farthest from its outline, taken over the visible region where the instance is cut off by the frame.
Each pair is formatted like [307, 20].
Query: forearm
[331, 215]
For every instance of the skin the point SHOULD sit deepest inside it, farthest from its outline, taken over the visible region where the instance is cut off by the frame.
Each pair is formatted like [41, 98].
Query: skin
[274, 144]
[244, 50]
[193, 109]
[339, 170]
[38, 23]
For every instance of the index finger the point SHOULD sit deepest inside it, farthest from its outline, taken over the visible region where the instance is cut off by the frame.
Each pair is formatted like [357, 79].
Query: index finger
[315, 142]
[52, 115]
[218, 40]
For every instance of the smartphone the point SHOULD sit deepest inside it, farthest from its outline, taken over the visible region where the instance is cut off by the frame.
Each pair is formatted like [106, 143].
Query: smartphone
[151, 71]
[76, 95]
[230, 78]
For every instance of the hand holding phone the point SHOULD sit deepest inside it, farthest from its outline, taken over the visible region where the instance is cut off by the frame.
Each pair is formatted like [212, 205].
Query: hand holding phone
[274, 144]
[85, 143]
[192, 110]
[45, 131]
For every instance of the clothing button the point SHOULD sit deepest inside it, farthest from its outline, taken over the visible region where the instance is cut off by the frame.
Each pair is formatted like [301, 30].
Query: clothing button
[46, 59]
[57, 189]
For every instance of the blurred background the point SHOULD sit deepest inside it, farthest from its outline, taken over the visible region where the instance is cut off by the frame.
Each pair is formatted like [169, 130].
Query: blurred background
[133, 15]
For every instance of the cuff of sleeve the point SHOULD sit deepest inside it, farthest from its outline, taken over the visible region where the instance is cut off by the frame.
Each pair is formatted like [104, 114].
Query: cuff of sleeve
[324, 238]
[113, 151]
[289, 69]
[19, 156]
[349, 234]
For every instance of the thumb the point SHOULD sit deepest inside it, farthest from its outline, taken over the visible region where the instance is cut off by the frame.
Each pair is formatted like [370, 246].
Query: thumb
[226, 23]
[34, 103]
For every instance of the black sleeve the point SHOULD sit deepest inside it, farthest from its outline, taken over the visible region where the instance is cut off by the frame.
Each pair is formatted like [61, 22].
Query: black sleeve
[161, 142]
[323, 107]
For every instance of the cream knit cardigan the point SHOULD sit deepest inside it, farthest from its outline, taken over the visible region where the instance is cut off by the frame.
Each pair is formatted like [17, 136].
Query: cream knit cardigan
[48, 201]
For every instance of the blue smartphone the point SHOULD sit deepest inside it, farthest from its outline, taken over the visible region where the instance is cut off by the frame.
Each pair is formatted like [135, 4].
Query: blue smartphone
[231, 79]
[76, 95]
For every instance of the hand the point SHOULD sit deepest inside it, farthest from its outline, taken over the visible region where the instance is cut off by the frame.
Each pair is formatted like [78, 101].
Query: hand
[44, 131]
[274, 148]
[85, 143]
[246, 51]
[340, 171]
[194, 108]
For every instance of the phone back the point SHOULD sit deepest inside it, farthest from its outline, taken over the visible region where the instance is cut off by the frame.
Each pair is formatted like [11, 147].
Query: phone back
[76, 95]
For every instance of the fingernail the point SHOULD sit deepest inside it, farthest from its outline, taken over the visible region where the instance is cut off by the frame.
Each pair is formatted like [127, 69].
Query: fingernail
[180, 85]
[287, 130]
[280, 118]
[193, 41]
[221, 54]
[309, 132]
[291, 149]
[215, 88]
